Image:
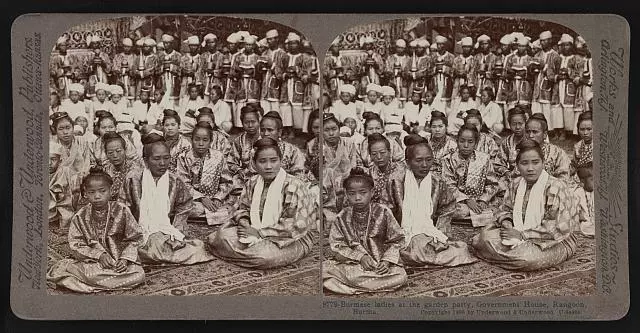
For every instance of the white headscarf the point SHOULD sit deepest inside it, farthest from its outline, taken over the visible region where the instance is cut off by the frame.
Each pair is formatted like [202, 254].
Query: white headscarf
[272, 205]
[535, 206]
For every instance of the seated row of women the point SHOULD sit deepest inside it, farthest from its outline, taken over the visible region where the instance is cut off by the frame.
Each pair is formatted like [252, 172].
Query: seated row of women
[399, 216]
[143, 219]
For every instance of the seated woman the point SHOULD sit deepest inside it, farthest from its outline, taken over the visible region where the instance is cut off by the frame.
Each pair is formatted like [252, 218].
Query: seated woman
[459, 110]
[205, 172]
[470, 176]
[270, 227]
[243, 143]
[556, 161]
[441, 144]
[106, 123]
[534, 225]
[366, 241]
[315, 128]
[373, 124]
[293, 159]
[104, 239]
[117, 165]
[177, 143]
[220, 139]
[387, 175]
[161, 203]
[486, 143]
[517, 118]
[63, 189]
[426, 206]
[75, 152]
[490, 111]
[583, 149]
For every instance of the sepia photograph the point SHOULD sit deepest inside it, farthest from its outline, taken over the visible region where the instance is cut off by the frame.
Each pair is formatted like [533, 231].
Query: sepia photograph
[178, 160]
[458, 159]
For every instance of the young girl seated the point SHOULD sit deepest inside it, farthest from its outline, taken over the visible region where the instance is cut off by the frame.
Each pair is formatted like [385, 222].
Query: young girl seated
[372, 103]
[118, 165]
[178, 144]
[118, 104]
[100, 102]
[140, 108]
[106, 123]
[205, 172]
[156, 109]
[583, 149]
[84, 130]
[161, 203]
[490, 111]
[534, 225]
[585, 200]
[392, 115]
[459, 110]
[470, 176]
[441, 144]
[373, 124]
[63, 186]
[270, 227]
[73, 105]
[191, 102]
[366, 241]
[243, 143]
[221, 110]
[219, 139]
[556, 161]
[412, 113]
[104, 239]
[517, 119]
[486, 143]
[344, 107]
[75, 153]
[354, 130]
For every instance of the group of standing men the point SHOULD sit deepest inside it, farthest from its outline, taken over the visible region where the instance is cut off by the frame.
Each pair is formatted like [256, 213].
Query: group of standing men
[545, 77]
[243, 70]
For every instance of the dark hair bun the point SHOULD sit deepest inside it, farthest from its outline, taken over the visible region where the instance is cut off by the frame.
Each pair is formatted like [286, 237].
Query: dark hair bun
[204, 124]
[110, 135]
[96, 170]
[205, 110]
[58, 115]
[368, 115]
[103, 114]
[474, 112]
[437, 114]
[265, 142]
[357, 171]
[538, 116]
[516, 110]
[273, 114]
[169, 112]
[413, 139]
[152, 138]
[587, 115]
[527, 144]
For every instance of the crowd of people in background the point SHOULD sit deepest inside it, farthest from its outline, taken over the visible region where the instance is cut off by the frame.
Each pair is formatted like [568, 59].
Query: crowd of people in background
[423, 139]
[150, 141]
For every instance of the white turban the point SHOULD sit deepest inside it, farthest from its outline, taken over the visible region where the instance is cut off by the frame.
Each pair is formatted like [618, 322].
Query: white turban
[293, 37]
[61, 40]
[55, 148]
[127, 42]
[192, 40]
[565, 39]
[401, 43]
[423, 43]
[102, 86]
[466, 41]
[483, 38]
[441, 39]
[273, 33]
[149, 42]
[388, 91]
[507, 39]
[167, 38]
[76, 87]
[545, 35]
[116, 89]
[374, 87]
[348, 88]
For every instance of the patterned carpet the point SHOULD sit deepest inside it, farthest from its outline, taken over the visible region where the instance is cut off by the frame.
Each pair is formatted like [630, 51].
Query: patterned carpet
[575, 277]
[214, 277]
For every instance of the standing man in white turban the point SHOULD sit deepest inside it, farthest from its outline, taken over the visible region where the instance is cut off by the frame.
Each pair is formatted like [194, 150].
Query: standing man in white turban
[584, 93]
[170, 68]
[548, 60]
[270, 92]
[145, 68]
[292, 90]
[517, 66]
[123, 67]
[97, 67]
[371, 66]
[441, 81]
[228, 62]
[244, 70]
[190, 63]
[63, 68]
[396, 67]
[564, 90]
[333, 70]
[485, 60]
[464, 68]
[210, 61]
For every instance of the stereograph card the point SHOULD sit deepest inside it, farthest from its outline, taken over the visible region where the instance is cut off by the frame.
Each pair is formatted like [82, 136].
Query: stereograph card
[320, 166]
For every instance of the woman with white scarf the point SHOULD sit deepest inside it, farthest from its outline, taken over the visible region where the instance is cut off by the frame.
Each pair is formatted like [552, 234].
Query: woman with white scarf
[427, 208]
[534, 226]
[270, 227]
[161, 203]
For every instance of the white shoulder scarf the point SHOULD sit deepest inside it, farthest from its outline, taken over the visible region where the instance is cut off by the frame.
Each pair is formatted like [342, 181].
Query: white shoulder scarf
[417, 208]
[535, 205]
[154, 207]
[272, 205]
